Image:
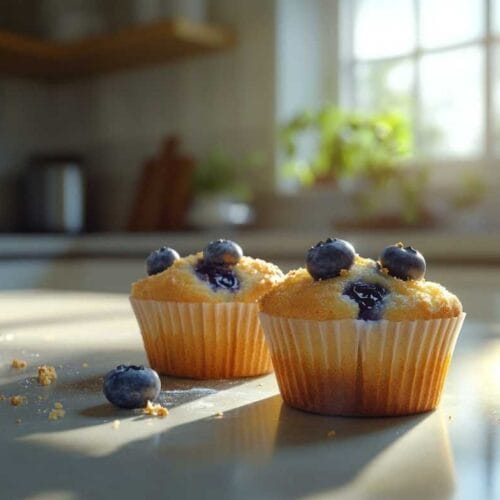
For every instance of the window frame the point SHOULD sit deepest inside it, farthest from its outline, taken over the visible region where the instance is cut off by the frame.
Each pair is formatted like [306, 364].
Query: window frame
[486, 157]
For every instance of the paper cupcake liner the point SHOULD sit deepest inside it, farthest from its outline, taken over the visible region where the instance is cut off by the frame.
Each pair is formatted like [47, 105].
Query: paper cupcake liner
[203, 340]
[355, 367]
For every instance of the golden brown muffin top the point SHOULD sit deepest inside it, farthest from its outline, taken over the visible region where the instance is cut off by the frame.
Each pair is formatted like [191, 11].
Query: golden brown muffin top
[180, 282]
[300, 296]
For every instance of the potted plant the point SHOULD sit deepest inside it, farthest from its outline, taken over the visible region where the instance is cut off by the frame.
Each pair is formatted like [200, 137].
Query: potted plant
[363, 157]
[222, 192]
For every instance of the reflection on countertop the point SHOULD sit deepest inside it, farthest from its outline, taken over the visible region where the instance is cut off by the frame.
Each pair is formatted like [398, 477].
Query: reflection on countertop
[229, 439]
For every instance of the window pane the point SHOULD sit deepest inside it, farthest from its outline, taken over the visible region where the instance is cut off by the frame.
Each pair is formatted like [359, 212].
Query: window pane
[496, 16]
[445, 22]
[496, 97]
[384, 86]
[452, 113]
[383, 28]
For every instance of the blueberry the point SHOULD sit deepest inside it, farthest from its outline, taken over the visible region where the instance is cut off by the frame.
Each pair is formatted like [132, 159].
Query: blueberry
[218, 276]
[369, 297]
[161, 259]
[131, 386]
[402, 262]
[327, 258]
[222, 253]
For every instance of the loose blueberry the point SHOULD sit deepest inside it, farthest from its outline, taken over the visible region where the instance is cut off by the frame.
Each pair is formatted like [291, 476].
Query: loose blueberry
[161, 259]
[402, 262]
[369, 297]
[131, 386]
[218, 276]
[222, 253]
[327, 258]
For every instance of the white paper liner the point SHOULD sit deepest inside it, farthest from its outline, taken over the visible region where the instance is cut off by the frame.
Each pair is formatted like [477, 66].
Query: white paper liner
[355, 367]
[203, 340]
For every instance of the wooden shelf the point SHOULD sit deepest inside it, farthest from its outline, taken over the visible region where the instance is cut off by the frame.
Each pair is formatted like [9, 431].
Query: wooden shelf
[136, 46]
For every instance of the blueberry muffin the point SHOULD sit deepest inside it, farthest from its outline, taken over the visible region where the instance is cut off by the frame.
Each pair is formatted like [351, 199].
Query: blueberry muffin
[353, 336]
[199, 314]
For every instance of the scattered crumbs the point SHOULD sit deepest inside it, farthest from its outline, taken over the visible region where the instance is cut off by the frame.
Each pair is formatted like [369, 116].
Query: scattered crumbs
[331, 434]
[155, 410]
[19, 364]
[57, 412]
[85, 365]
[17, 400]
[18, 420]
[115, 424]
[46, 374]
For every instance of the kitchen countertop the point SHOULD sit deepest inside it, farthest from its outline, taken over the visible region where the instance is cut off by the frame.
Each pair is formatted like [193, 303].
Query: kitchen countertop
[257, 448]
[437, 245]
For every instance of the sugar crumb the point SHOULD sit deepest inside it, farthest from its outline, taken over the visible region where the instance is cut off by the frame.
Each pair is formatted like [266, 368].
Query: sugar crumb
[19, 364]
[331, 434]
[115, 424]
[155, 410]
[57, 412]
[46, 374]
[17, 400]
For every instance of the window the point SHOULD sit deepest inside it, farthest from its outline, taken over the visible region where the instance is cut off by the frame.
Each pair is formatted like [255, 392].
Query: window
[437, 61]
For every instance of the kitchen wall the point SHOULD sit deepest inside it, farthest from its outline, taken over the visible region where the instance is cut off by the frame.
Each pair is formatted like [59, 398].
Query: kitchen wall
[116, 121]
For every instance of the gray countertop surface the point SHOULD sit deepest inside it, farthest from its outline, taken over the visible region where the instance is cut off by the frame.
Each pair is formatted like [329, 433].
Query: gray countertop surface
[257, 448]
[438, 245]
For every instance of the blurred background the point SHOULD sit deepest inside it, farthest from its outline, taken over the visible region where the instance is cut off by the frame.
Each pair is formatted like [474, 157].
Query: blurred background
[130, 124]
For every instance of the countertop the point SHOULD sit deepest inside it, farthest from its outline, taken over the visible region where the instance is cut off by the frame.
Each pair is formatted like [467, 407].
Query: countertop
[225, 439]
[437, 245]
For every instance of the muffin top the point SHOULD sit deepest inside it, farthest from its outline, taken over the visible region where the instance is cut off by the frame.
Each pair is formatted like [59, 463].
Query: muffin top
[339, 284]
[221, 273]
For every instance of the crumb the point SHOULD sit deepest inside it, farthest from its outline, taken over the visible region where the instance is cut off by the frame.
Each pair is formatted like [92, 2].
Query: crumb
[18, 421]
[219, 414]
[57, 412]
[115, 424]
[17, 400]
[331, 434]
[85, 365]
[46, 375]
[384, 270]
[19, 364]
[260, 385]
[449, 417]
[2, 397]
[40, 398]
[155, 410]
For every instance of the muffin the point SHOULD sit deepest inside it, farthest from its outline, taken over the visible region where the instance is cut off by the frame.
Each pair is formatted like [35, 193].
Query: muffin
[198, 315]
[354, 336]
